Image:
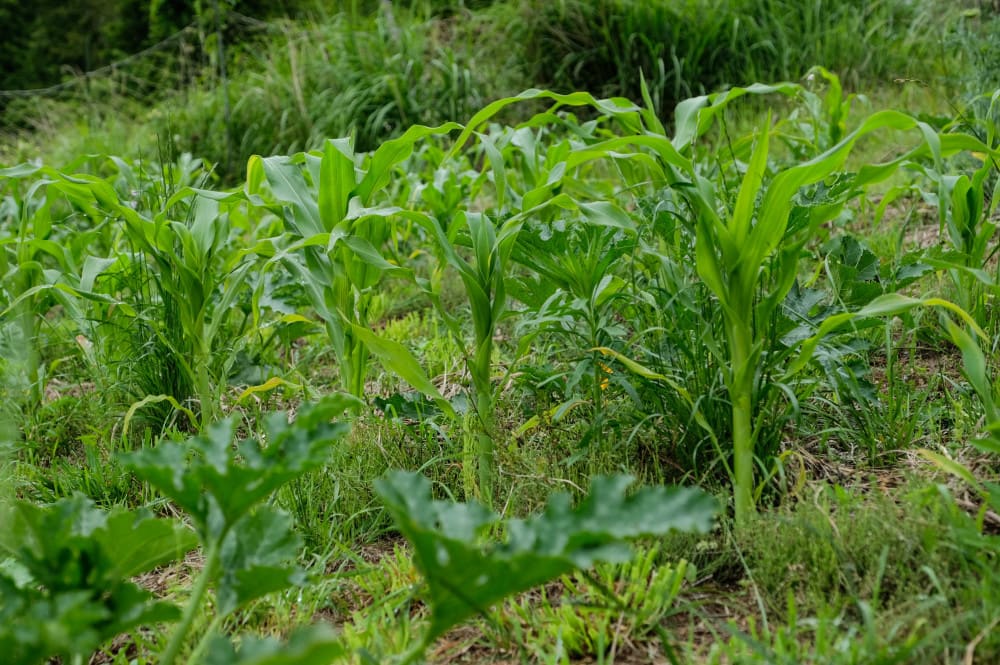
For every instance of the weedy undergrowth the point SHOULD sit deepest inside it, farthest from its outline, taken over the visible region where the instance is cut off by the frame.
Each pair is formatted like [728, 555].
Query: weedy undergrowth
[64, 577]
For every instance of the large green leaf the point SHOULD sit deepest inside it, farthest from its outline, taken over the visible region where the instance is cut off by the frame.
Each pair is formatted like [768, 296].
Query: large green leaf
[464, 578]
[71, 543]
[217, 483]
[397, 359]
[257, 557]
[337, 181]
[78, 561]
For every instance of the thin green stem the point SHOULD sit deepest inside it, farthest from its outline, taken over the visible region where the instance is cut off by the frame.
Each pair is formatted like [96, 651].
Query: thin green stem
[194, 605]
[741, 394]
[485, 446]
[416, 652]
[204, 388]
[199, 649]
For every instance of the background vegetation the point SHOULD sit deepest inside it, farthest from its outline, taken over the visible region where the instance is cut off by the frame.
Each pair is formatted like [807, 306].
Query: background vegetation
[514, 247]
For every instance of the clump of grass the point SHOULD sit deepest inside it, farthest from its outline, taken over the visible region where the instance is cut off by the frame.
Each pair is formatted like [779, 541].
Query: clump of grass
[366, 77]
[685, 48]
[839, 547]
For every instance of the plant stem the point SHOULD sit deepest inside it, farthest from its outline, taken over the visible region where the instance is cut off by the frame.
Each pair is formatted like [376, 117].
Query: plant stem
[194, 604]
[199, 648]
[485, 420]
[740, 394]
[204, 388]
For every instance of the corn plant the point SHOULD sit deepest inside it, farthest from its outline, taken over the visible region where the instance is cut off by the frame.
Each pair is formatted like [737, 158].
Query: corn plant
[749, 259]
[335, 235]
[42, 247]
[491, 238]
[182, 239]
[748, 252]
[966, 208]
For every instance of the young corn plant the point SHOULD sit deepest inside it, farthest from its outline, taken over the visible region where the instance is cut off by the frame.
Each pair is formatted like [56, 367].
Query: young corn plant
[490, 239]
[967, 210]
[43, 246]
[483, 276]
[199, 273]
[25, 224]
[183, 240]
[336, 233]
[748, 253]
[749, 258]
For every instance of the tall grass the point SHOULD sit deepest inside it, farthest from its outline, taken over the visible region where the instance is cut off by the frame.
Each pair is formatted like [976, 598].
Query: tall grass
[691, 46]
[370, 78]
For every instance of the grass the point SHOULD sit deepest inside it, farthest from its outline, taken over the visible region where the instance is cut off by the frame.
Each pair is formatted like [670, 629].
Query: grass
[540, 306]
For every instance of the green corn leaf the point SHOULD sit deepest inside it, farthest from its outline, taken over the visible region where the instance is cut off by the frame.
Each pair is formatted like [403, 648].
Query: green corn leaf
[976, 370]
[337, 181]
[499, 169]
[392, 152]
[611, 107]
[890, 304]
[693, 117]
[464, 579]
[956, 469]
[397, 359]
[606, 213]
[93, 267]
[289, 187]
[753, 180]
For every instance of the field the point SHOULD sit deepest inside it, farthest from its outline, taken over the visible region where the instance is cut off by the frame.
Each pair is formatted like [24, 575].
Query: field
[426, 346]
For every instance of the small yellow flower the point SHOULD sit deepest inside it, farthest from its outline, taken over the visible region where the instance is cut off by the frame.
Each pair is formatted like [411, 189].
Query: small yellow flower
[604, 380]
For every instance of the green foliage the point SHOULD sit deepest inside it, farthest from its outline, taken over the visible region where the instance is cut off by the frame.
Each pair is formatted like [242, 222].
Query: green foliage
[84, 36]
[369, 79]
[678, 301]
[690, 47]
[248, 547]
[64, 582]
[463, 580]
[582, 621]
[307, 646]
[335, 235]
[217, 488]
